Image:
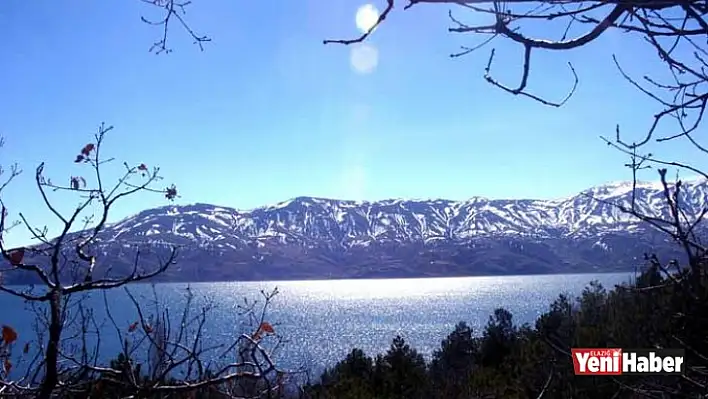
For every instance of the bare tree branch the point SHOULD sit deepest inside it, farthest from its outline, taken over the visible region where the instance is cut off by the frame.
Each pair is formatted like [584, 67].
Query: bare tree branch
[669, 27]
[173, 11]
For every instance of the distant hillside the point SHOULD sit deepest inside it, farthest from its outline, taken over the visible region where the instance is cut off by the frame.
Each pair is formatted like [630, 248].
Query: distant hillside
[312, 238]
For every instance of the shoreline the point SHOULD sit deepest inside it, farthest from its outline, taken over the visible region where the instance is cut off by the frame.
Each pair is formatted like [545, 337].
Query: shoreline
[321, 279]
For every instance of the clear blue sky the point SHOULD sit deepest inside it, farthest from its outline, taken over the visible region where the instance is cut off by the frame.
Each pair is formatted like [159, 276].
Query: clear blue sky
[267, 112]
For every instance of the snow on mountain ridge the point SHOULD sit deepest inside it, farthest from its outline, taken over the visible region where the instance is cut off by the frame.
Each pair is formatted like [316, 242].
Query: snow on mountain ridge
[350, 223]
[321, 238]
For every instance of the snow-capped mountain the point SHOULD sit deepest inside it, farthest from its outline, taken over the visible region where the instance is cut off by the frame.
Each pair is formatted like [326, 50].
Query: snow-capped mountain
[309, 237]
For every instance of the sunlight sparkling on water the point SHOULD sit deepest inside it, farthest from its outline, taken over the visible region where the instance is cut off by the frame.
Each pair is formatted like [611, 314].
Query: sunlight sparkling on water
[324, 320]
[401, 289]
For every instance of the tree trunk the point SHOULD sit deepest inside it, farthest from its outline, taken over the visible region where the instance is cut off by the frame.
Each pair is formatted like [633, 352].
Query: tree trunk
[51, 377]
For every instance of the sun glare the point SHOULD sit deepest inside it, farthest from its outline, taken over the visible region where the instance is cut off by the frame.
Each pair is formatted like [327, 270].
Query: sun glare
[353, 182]
[366, 17]
[364, 58]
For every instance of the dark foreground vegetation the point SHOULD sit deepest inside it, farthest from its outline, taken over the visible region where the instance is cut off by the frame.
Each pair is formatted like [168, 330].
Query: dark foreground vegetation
[533, 361]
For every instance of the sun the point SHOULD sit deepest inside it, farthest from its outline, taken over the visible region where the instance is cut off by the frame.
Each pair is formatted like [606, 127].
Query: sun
[366, 17]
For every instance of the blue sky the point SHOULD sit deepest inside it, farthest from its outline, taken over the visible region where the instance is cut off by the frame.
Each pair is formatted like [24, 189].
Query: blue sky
[267, 112]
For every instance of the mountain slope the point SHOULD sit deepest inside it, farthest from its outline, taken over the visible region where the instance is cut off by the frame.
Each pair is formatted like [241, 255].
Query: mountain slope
[309, 237]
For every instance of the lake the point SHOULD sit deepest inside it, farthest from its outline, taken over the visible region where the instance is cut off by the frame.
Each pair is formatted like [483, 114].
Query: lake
[323, 320]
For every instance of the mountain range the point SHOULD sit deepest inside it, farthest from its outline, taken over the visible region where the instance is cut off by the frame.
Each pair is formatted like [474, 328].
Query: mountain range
[317, 238]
